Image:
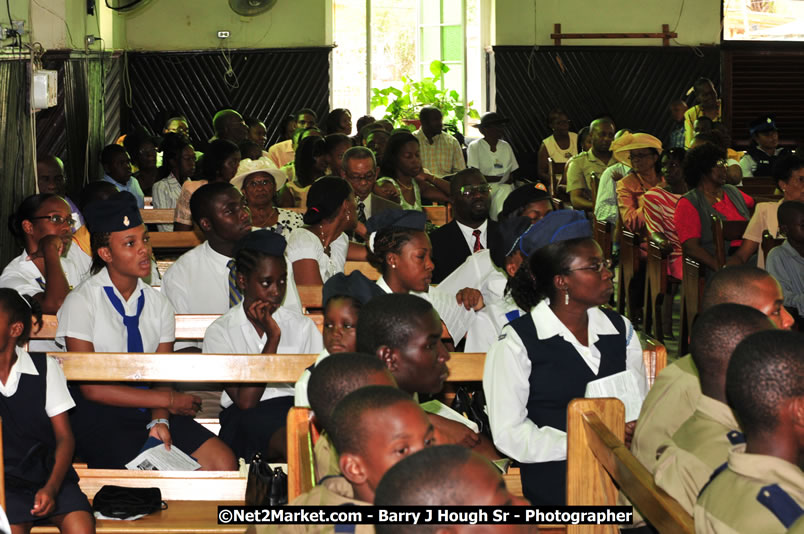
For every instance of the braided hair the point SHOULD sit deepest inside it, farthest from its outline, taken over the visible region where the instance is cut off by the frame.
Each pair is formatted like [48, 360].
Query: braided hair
[386, 241]
[21, 309]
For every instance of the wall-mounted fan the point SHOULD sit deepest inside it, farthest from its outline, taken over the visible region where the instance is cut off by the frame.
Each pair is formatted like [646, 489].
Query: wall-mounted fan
[249, 8]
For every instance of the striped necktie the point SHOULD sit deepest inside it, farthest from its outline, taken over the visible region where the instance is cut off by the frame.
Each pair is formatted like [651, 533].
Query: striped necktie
[131, 322]
[478, 244]
[235, 296]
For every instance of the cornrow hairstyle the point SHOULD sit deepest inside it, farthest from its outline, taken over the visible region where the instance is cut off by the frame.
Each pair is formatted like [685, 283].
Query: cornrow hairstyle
[96, 241]
[246, 260]
[386, 241]
[21, 309]
[28, 208]
[348, 429]
[336, 377]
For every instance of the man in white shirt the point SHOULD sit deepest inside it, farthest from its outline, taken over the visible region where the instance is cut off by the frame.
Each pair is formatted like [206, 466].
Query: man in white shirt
[469, 231]
[441, 153]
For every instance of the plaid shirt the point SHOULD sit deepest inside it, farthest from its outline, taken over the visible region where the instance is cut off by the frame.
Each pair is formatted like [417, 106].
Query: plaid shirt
[443, 156]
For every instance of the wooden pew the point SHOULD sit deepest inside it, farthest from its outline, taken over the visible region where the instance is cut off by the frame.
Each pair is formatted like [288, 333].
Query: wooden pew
[759, 185]
[769, 243]
[657, 288]
[693, 279]
[599, 464]
[603, 234]
[723, 231]
[630, 265]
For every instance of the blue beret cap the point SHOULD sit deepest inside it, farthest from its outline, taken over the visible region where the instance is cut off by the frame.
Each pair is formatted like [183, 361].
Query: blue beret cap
[556, 226]
[265, 241]
[415, 220]
[355, 285]
[506, 238]
[117, 213]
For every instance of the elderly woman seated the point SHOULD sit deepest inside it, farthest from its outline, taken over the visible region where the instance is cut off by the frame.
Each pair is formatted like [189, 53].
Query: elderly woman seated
[705, 173]
[259, 181]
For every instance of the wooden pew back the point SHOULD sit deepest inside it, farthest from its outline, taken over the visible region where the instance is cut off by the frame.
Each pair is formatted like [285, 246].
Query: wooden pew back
[656, 289]
[769, 243]
[692, 285]
[723, 231]
[629, 266]
[600, 463]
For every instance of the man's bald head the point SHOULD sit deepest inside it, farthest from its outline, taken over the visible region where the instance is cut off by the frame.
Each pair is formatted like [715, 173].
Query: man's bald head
[601, 133]
[50, 175]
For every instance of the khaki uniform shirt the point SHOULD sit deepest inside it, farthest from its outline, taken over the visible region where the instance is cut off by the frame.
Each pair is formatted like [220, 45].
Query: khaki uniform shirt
[671, 400]
[580, 169]
[756, 493]
[325, 457]
[333, 491]
[700, 446]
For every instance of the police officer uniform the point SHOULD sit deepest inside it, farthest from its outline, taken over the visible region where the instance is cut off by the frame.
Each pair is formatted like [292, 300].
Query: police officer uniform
[697, 449]
[671, 400]
[753, 493]
[757, 162]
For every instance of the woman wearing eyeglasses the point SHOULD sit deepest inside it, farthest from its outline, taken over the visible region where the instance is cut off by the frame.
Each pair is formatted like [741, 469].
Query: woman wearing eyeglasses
[48, 267]
[259, 182]
[709, 194]
[545, 358]
[639, 151]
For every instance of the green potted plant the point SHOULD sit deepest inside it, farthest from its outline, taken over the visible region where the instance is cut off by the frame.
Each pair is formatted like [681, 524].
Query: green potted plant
[402, 105]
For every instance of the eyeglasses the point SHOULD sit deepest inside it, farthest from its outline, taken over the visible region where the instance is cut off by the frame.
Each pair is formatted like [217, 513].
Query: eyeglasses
[260, 183]
[469, 190]
[597, 267]
[635, 157]
[55, 219]
[360, 178]
[722, 163]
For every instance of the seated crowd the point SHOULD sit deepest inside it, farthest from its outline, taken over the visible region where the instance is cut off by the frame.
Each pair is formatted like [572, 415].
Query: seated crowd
[516, 274]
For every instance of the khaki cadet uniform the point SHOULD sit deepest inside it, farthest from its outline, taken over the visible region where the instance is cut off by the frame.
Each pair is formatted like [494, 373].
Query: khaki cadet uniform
[325, 457]
[798, 527]
[580, 169]
[331, 491]
[754, 494]
[697, 449]
[671, 400]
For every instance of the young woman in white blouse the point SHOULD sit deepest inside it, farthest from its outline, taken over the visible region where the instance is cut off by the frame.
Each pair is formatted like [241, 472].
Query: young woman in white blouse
[320, 248]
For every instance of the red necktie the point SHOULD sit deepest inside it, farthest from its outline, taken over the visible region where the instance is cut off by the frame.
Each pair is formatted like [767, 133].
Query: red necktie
[478, 244]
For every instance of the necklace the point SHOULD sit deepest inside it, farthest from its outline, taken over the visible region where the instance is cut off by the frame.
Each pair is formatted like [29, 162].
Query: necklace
[405, 187]
[323, 240]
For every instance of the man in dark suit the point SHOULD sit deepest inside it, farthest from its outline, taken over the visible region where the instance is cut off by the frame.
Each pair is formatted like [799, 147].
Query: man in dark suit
[471, 228]
[359, 168]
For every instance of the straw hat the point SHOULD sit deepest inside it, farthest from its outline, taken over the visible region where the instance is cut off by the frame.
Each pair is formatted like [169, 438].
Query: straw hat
[623, 145]
[250, 166]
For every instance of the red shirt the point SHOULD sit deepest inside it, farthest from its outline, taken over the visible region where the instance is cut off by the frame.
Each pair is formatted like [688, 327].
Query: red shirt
[688, 221]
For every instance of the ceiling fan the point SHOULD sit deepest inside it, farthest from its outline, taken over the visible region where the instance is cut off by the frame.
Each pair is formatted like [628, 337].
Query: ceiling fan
[249, 8]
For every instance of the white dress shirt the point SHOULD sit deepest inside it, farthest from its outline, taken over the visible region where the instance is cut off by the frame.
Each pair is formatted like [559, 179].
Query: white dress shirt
[506, 383]
[23, 275]
[305, 245]
[233, 333]
[57, 396]
[467, 232]
[501, 162]
[88, 314]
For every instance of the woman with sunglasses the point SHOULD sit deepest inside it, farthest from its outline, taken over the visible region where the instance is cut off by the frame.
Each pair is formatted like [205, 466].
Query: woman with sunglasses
[48, 267]
[546, 357]
[709, 194]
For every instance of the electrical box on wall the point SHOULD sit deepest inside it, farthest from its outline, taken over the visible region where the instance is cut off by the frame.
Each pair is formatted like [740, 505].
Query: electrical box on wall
[44, 89]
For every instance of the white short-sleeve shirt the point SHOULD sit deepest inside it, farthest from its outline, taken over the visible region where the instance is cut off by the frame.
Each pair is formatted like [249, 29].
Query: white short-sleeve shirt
[501, 162]
[305, 245]
[88, 314]
[57, 396]
[22, 274]
[233, 333]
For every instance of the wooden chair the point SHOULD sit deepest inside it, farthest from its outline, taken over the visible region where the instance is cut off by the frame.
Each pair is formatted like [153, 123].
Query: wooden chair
[693, 280]
[654, 357]
[599, 463]
[723, 231]
[769, 243]
[629, 266]
[657, 288]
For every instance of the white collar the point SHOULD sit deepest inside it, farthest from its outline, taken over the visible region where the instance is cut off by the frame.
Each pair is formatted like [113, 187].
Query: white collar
[213, 254]
[470, 230]
[103, 280]
[24, 364]
[384, 285]
[548, 325]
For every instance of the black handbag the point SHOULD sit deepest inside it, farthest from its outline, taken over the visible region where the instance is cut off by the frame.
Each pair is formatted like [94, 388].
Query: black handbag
[472, 405]
[121, 502]
[265, 487]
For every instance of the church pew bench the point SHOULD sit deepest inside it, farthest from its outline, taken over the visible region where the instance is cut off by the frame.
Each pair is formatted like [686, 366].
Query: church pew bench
[599, 463]
[693, 279]
[657, 287]
[723, 231]
[630, 265]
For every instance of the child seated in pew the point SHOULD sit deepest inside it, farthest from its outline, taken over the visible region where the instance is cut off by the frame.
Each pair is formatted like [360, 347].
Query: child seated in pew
[675, 393]
[253, 416]
[49, 266]
[373, 428]
[703, 442]
[115, 311]
[786, 262]
[342, 296]
[330, 382]
[761, 489]
[38, 443]
[446, 475]
[404, 331]
[400, 249]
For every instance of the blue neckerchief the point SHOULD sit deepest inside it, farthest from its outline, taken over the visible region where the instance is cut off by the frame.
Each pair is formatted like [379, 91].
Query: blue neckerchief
[131, 322]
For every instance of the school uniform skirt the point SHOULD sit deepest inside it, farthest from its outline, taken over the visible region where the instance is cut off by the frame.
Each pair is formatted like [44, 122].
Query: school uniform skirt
[248, 432]
[108, 437]
[69, 499]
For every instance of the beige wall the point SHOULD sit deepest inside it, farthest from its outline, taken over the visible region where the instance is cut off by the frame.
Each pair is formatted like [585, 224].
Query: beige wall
[49, 21]
[193, 24]
[530, 22]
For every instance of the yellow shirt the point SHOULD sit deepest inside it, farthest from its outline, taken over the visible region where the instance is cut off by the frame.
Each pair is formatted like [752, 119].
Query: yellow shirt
[692, 115]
